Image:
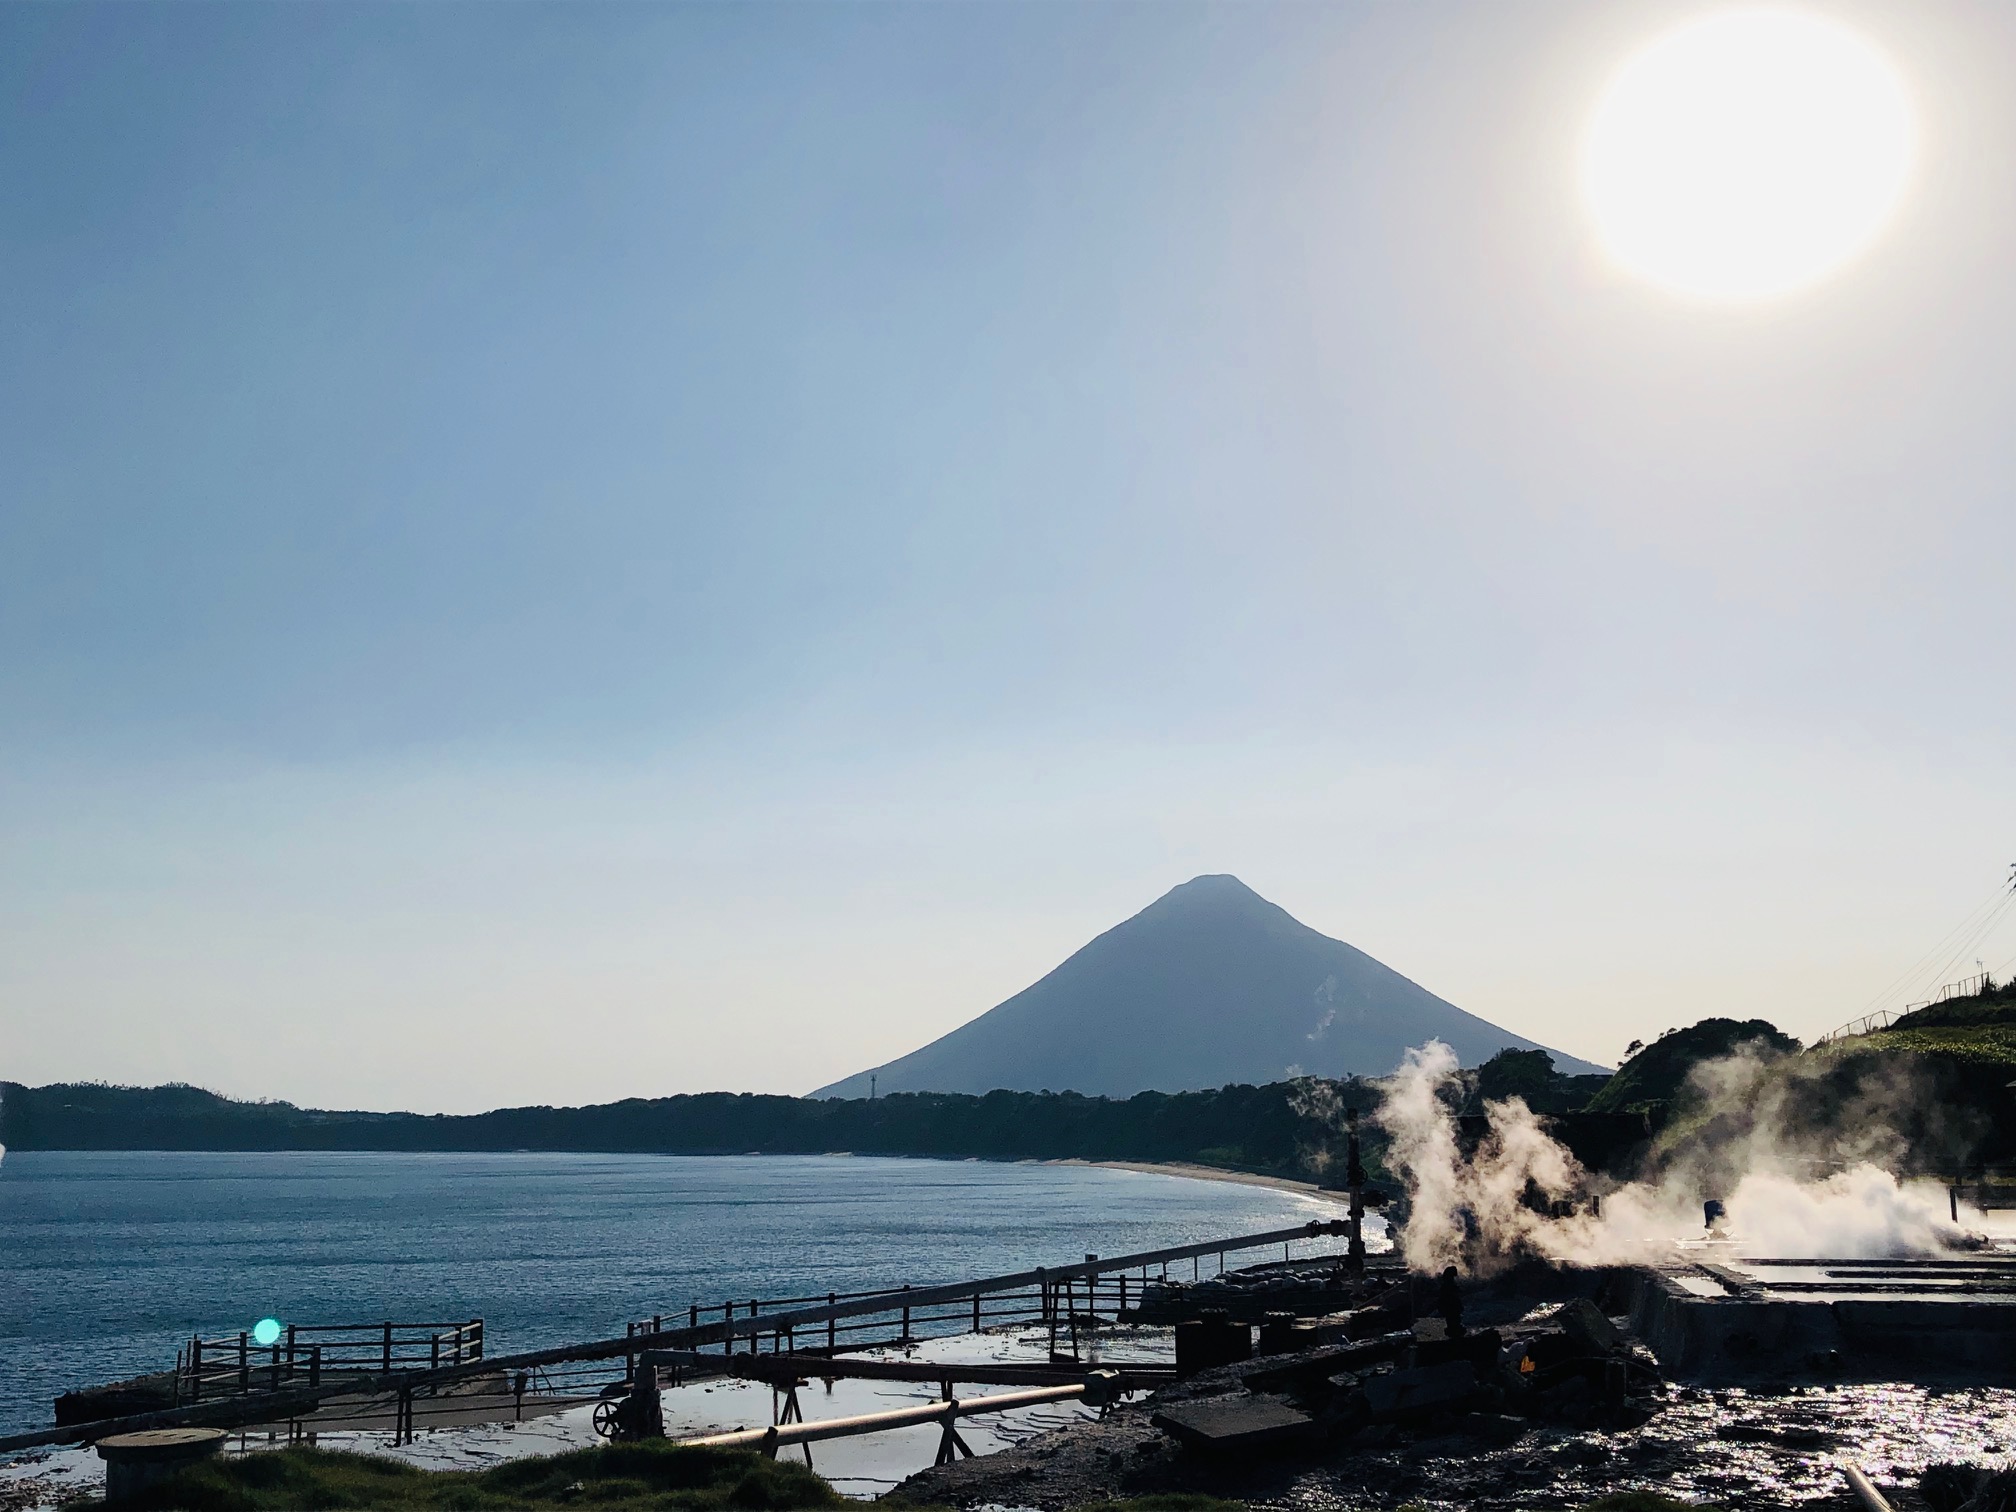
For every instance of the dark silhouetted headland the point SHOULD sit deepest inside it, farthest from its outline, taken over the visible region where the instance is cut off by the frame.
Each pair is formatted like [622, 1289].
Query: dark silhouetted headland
[1246, 1128]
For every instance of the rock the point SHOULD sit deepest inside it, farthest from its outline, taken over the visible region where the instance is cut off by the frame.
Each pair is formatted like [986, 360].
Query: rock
[1326, 1364]
[1494, 1427]
[1374, 1436]
[1232, 1424]
[1567, 1399]
[1405, 1392]
[1587, 1329]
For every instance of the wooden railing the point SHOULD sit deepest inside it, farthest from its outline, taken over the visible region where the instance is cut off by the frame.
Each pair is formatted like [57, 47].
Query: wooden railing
[232, 1380]
[234, 1364]
[1060, 1296]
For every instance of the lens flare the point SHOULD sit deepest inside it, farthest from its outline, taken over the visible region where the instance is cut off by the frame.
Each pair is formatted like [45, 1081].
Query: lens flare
[266, 1331]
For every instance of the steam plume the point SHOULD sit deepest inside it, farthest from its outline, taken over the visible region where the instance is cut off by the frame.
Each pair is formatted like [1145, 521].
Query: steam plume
[1790, 1188]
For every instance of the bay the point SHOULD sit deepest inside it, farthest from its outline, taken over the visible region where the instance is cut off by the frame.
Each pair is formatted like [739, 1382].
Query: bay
[108, 1261]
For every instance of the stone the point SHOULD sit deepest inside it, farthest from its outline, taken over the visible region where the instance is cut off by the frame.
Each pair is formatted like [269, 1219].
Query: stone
[1405, 1392]
[1234, 1424]
[1588, 1331]
[1494, 1427]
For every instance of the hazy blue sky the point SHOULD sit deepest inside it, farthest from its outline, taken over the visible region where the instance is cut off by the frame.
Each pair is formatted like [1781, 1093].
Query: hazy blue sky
[557, 552]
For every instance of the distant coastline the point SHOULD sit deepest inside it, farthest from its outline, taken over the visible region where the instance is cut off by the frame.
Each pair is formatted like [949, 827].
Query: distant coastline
[1194, 1172]
[1253, 1134]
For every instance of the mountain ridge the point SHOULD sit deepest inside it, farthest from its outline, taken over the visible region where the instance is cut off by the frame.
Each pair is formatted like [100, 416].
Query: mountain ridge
[1209, 984]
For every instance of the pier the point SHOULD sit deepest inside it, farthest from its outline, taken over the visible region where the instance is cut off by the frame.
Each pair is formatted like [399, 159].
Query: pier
[273, 1388]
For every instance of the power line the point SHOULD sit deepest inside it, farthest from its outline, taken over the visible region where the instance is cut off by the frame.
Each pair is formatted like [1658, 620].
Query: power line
[1968, 946]
[1915, 971]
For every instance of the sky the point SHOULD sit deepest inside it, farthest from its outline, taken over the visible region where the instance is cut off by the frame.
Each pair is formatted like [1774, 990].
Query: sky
[551, 553]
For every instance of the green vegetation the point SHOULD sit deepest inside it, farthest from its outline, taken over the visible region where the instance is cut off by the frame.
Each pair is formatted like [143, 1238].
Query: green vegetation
[1656, 1074]
[1977, 1030]
[1272, 1129]
[1639, 1501]
[1991, 1005]
[1986, 1044]
[615, 1479]
[1530, 1074]
[618, 1478]
[1280, 1129]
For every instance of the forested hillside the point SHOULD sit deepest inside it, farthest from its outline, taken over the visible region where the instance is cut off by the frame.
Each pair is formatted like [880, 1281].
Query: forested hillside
[1252, 1128]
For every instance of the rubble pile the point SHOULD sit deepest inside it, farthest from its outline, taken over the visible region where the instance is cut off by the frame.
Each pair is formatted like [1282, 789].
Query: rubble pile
[1567, 1364]
[1310, 1289]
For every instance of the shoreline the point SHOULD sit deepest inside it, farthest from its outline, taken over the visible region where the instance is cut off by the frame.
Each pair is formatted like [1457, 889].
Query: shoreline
[1209, 1173]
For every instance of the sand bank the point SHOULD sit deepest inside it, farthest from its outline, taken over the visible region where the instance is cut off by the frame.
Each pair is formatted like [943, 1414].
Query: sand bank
[1210, 1173]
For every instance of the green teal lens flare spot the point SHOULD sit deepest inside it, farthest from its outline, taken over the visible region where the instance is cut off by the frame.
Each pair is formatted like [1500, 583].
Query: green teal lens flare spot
[266, 1331]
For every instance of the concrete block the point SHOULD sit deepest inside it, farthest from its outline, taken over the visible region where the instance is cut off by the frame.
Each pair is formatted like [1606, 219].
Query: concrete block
[1207, 1342]
[135, 1461]
[1585, 1325]
[1405, 1392]
[1235, 1424]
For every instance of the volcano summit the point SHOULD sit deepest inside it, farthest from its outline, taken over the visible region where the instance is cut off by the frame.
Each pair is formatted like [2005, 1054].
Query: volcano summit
[1208, 985]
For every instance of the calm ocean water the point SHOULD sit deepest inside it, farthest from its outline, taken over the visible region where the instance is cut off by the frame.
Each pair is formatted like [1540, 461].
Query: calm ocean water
[109, 1261]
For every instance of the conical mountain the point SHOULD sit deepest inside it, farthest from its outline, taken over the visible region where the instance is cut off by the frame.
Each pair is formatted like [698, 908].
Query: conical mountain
[1208, 985]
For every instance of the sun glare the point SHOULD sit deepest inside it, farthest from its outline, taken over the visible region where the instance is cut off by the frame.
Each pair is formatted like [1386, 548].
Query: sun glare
[1747, 154]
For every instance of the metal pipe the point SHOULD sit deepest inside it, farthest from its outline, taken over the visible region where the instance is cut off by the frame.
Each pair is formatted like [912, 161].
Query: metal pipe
[1865, 1492]
[778, 1372]
[273, 1408]
[768, 1439]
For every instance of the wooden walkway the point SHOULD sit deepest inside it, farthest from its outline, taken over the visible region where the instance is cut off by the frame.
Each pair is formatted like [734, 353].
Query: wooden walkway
[568, 1369]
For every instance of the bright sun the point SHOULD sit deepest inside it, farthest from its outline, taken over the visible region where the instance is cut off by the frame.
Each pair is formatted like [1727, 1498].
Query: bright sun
[1747, 154]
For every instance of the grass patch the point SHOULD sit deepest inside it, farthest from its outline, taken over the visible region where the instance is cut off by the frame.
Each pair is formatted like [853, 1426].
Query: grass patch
[619, 1478]
[1991, 1044]
[1639, 1501]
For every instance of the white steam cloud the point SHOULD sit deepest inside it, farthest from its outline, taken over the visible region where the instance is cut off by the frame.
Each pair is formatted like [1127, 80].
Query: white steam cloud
[1482, 1213]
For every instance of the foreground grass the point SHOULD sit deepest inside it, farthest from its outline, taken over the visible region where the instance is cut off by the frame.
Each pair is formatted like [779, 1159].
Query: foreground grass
[620, 1478]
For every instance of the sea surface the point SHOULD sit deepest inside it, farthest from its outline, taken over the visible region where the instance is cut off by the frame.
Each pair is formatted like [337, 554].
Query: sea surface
[109, 1261]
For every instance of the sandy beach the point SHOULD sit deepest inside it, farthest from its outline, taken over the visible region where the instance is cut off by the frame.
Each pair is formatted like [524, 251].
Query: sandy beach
[1210, 1173]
